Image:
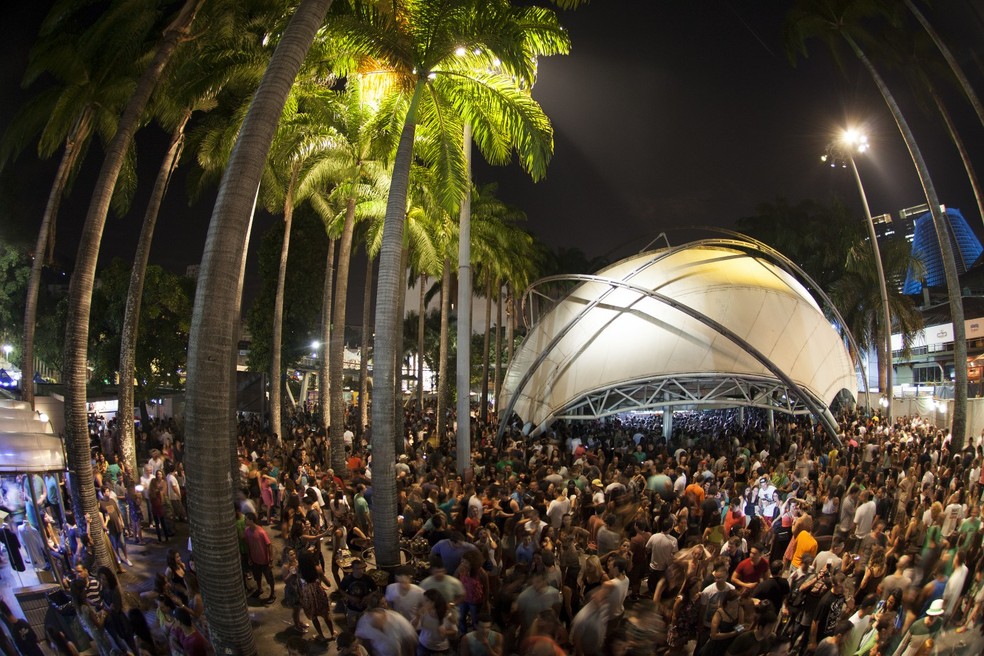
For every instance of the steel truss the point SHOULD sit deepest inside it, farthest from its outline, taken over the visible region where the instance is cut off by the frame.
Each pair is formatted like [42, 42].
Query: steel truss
[688, 392]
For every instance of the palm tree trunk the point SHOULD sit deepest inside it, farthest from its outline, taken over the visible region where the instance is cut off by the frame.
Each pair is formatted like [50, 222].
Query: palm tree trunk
[338, 339]
[400, 352]
[83, 279]
[959, 426]
[364, 350]
[134, 295]
[442, 365]
[484, 415]
[510, 307]
[389, 319]
[234, 472]
[463, 352]
[951, 60]
[276, 366]
[324, 372]
[73, 146]
[959, 143]
[210, 414]
[421, 326]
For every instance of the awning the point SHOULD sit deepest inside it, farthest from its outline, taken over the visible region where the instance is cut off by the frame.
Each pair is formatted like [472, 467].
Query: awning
[31, 452]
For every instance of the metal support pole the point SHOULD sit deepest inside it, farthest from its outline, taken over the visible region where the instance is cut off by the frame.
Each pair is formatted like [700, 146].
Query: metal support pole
[886, 319]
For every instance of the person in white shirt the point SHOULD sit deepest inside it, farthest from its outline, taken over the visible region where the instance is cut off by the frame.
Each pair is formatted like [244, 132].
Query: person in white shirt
[387, 632]
[952, 514]
[680, 484]
[403, 596]
[557, 508]
[864, 516]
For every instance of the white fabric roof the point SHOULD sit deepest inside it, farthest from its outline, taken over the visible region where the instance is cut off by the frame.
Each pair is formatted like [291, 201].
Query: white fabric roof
[27, 444]
[630, 337]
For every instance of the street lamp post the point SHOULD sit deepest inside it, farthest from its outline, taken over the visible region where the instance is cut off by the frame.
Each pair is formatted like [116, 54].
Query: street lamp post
[851, 142]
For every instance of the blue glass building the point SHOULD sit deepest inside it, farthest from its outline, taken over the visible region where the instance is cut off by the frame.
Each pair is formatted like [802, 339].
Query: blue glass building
[925, 247]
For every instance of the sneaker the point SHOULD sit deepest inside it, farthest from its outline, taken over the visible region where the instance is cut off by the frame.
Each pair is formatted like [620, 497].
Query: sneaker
[128, 563]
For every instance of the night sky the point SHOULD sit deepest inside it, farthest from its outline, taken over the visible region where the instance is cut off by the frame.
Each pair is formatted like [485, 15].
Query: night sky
[668, 115]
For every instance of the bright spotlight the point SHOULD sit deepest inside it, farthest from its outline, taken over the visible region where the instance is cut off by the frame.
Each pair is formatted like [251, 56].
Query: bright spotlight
[460, 51]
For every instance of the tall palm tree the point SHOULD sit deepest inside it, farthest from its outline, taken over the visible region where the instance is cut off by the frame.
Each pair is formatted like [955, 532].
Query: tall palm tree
[81, 285]
[858, 297]
[93, 69]
[303, 147]
[367, 332]
[496, 243]
[839, 22]
[361, 184]
[210, 415]
[445, 52]
[192, 86]
[951, 61]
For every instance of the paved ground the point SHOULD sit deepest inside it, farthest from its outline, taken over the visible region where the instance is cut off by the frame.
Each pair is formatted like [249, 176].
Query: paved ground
[272, 624]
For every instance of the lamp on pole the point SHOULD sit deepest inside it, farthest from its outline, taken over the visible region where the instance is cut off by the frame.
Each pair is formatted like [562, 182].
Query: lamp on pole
[842, 151]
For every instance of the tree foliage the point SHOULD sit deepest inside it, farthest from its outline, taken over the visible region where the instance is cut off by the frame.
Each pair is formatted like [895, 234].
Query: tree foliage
[302, 291]
[165, 318]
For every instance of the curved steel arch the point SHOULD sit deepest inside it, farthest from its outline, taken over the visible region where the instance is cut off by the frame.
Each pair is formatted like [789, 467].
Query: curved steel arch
[688, 391]
[782, 260]
[822, 414]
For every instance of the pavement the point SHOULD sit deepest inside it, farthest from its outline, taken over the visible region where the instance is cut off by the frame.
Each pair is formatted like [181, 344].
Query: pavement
[272, 624]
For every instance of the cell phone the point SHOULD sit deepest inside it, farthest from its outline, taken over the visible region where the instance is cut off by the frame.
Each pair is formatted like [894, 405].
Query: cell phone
[857, 558]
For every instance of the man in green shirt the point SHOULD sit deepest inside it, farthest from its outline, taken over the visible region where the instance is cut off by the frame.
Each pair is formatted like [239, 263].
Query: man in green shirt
[923, 629]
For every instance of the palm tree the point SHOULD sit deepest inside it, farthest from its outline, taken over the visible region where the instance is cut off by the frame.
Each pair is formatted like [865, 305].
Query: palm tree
[303, 148]
[839, 21]
[80, 289]
[958, 72]
[364, 348]
[192, 86]
[361, 184]
[446, 53]
[858, 297]
[94, 71]
[210, 414]
[496, 244]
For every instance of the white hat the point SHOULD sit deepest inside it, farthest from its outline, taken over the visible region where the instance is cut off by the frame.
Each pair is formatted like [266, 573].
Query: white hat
[935, 608]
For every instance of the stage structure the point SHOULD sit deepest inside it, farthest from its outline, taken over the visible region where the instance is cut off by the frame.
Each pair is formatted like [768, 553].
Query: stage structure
[716, 323]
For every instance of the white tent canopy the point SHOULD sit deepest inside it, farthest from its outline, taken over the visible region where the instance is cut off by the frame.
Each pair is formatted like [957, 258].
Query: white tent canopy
[27, 442]
[697, 326]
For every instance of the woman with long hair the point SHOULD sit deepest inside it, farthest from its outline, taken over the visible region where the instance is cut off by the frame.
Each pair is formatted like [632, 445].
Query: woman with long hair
[117, 624]
[683, 617]
[314, 593]
[436, 624]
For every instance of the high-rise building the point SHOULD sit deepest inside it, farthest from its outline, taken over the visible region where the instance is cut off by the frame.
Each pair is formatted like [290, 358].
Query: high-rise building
[925, 248]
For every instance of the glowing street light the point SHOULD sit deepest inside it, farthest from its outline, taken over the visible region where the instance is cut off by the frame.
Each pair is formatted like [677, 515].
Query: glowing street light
[842, 151]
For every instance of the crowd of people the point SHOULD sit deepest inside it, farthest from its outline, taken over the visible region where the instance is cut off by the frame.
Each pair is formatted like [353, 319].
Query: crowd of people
[594, 538]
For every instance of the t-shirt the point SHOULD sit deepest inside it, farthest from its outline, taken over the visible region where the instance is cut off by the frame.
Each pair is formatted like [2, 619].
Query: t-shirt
[449, 586]
[749, 572]
[805, 544]
[257, 543]
[25, 639]
[404, 602]
[359, 587]
[390, 640]
[864, 516]
[114, 472]
[532, 601]
[829, 612]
